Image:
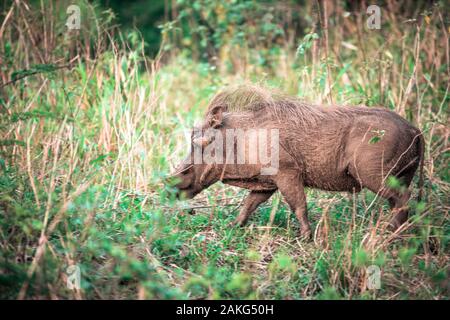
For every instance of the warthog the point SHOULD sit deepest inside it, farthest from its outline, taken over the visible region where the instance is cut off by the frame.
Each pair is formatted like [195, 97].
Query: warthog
[334, 148]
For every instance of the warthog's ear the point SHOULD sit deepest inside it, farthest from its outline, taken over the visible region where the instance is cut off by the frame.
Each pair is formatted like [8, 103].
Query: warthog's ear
[215, 117]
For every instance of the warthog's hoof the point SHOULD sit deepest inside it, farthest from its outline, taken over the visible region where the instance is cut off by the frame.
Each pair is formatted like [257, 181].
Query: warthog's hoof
[393, 225]
[236, 223]
[400, 215]
[306, 235]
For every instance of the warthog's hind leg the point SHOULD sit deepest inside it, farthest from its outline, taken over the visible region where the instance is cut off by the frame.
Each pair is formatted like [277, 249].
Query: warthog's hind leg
[398, 204]
[253, 200]
[398, 199]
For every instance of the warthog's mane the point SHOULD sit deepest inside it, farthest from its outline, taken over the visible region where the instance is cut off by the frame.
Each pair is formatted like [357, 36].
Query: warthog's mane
[253, 98]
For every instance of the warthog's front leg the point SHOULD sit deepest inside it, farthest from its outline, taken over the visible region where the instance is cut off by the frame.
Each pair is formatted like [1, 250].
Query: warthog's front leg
[253, 200]
[291, 187]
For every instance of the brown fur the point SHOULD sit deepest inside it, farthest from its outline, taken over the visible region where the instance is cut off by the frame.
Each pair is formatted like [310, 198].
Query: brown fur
[324, 147]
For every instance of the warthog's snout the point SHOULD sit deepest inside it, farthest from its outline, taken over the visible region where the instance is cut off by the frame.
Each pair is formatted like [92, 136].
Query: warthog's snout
[183, 182]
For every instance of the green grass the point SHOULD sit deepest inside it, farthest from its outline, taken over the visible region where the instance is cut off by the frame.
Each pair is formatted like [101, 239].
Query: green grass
[84, 151]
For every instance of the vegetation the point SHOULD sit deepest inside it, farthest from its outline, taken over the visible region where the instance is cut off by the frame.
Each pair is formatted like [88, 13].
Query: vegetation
[89, 123]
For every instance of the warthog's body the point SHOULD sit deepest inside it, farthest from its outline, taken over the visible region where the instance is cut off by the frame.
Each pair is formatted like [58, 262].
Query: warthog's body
[334, 148]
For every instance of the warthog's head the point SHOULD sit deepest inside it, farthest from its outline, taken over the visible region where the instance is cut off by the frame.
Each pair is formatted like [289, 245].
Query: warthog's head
[191, 176]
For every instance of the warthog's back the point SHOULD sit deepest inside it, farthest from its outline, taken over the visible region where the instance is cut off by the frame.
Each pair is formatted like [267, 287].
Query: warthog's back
[332, 145]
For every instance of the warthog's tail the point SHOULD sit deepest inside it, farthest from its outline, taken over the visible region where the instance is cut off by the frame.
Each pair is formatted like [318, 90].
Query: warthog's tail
[422, 160]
